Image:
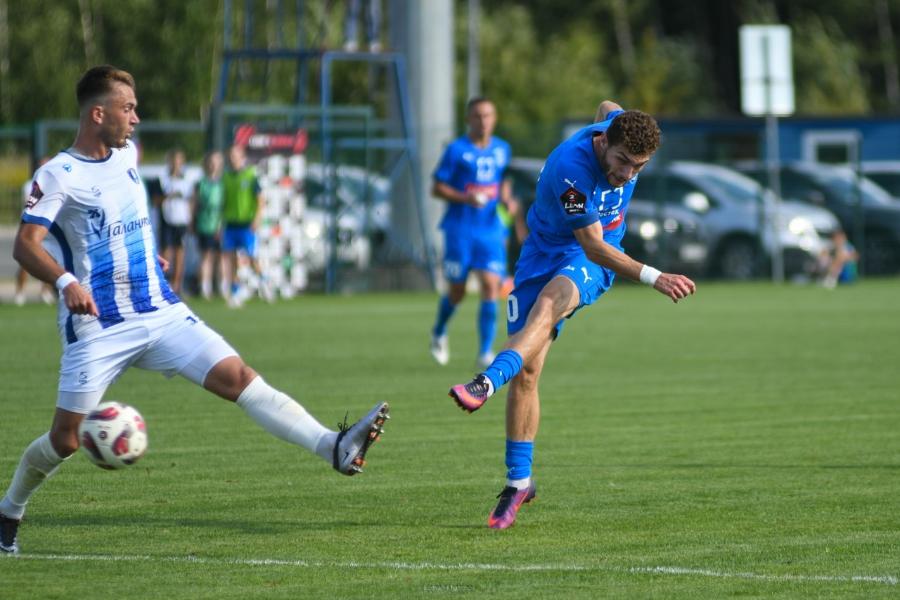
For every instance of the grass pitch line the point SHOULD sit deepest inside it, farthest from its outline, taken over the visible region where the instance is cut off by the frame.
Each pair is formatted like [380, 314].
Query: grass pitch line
[427, 566]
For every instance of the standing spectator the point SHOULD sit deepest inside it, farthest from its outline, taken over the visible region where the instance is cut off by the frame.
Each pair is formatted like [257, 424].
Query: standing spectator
[207, 222]
[373, 24]
[470, 179]
[48, 295]
[176, 215]
[242, 209]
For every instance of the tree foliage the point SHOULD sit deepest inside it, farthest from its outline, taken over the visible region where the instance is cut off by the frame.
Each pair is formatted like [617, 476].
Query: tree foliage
[542, 60]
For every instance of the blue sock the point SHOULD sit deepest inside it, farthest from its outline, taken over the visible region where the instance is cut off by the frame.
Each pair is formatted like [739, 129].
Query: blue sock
[506, 366]
[487, 325]
[445, 311]
[519, 456]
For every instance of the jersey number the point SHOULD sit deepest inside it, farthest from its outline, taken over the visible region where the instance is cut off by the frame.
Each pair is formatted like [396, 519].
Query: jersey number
[603, 199]
[486, 169]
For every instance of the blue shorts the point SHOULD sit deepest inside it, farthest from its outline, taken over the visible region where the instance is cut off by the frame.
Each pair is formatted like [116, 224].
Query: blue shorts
[465, 251]
[239, 237]
[535, 270]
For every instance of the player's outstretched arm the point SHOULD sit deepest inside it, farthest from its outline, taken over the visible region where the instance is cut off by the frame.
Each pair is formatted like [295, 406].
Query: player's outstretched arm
[673, 286]
[28, 252]
[605, 107]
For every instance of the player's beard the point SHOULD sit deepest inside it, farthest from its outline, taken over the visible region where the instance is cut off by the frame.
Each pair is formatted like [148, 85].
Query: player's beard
[116, 138]
[606, 168]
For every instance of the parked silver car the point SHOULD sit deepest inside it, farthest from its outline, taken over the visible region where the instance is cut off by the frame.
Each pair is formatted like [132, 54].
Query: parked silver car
[873, 224]
[739, 219]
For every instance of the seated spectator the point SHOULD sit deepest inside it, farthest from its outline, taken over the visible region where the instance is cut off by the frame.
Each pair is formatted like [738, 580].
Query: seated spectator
[841, 262]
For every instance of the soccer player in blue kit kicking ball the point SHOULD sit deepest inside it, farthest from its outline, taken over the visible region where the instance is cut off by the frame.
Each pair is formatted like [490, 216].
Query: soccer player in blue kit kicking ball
[116, 309]
[570, 258]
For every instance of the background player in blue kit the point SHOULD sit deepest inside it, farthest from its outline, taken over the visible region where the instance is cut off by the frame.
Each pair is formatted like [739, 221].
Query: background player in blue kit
[570, 258]
[470, 179]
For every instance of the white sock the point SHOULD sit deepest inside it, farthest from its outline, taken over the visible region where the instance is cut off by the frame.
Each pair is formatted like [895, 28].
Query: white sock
[39, 462]
[283, 417]
[519, 484]
[490, 385]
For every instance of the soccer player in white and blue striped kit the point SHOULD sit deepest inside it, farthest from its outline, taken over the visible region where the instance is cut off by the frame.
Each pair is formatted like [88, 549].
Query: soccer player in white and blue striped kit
[116, 309]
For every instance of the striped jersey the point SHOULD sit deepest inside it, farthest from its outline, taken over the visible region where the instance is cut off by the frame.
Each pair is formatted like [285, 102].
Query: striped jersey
[97, 212]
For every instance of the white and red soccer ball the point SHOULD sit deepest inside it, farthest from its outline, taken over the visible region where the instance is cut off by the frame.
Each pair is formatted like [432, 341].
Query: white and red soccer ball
[113, 435]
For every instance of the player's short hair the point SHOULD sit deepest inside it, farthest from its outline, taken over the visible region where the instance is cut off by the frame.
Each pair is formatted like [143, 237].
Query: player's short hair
[473, 102]
[98, 81]
[637, 131]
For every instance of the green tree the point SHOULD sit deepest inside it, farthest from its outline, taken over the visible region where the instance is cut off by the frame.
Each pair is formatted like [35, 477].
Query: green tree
[827, 74]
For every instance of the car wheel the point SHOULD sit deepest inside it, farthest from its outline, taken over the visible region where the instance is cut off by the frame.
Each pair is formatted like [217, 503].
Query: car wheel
[879, 254]
[738, 260]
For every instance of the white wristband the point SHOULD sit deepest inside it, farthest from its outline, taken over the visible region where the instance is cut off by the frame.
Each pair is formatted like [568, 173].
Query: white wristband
[64, 280]
[649, 275]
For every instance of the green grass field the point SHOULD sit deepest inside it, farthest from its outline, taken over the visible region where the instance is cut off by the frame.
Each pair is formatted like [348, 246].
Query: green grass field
[743, 443]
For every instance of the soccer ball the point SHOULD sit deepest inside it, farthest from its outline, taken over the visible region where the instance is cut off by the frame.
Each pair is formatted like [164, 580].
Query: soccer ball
[113, 435]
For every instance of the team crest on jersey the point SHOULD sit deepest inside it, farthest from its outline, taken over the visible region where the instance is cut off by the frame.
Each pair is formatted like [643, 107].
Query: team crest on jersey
[573, 201]
[97, 219]
[35, 195]
[67, 168]
[134, 175]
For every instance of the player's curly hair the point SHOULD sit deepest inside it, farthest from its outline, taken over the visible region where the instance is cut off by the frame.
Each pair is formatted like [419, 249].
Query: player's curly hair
[635, 130]
[98, 81]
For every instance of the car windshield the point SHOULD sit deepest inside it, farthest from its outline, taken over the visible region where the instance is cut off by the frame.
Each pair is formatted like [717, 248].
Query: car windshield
[841, 182]
[889, 181]
[720, 182]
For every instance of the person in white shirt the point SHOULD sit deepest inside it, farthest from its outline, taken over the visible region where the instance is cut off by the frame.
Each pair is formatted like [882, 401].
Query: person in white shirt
[48, 294]
[116, 308]
[176, 214]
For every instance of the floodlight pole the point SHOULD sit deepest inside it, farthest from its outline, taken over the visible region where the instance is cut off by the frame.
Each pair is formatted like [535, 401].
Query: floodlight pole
[473, 66]
[772, 151]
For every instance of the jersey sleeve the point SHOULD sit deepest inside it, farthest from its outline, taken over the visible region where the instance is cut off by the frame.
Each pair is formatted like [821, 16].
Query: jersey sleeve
[45, 201]
[445, 168]
[612, 115]
[571, 187]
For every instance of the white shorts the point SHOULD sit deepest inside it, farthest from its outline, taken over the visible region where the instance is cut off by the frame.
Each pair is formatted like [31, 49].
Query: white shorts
[172, 340]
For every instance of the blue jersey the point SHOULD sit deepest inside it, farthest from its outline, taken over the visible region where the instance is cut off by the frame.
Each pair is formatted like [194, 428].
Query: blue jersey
[572, 192]
[469, 169]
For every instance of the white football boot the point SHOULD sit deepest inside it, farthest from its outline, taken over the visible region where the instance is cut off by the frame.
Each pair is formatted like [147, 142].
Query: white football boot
[349, 454]
[440, 349]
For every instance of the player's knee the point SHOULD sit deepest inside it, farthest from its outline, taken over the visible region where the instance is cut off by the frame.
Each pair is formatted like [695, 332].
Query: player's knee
[527, 379]
[456, 293]
[64, 441]
[245, 376]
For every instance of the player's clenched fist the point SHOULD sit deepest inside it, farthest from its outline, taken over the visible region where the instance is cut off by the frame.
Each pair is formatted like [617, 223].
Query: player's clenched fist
[675, 287]
[78, 301]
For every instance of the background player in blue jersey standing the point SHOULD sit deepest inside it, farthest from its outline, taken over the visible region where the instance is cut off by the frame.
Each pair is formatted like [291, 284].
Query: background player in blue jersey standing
[116, 309]
[470, 179]
[570, 258]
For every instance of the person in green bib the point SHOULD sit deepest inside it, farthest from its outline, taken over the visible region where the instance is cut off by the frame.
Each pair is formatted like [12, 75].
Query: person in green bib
[207, 219]
[242, 208]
